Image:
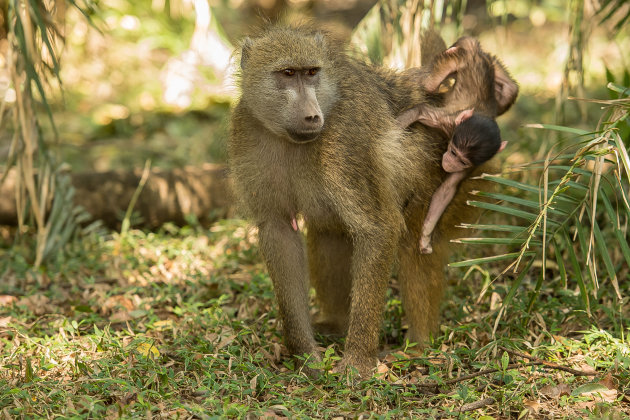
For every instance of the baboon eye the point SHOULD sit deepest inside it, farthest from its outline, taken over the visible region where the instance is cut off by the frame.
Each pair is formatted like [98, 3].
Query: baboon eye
[288, 72]
[313, 71]
[447, 84]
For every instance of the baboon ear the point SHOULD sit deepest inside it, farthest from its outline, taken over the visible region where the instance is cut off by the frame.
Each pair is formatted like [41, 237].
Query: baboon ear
[503, 144]
[467, 43]
[464, 115]
[505, 88]
[246, 48]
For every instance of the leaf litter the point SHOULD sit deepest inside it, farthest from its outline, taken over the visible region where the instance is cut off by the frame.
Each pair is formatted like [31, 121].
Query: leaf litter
[185, 324]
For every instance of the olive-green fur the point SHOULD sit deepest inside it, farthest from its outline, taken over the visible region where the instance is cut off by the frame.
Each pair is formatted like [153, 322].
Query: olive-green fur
[363, 187]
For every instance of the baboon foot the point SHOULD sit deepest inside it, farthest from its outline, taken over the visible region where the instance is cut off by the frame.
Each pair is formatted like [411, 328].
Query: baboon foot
[359, 367]
[308, 365]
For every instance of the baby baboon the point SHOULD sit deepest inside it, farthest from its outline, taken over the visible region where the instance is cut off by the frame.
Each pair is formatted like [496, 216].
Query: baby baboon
[474, 139]
[314, 134]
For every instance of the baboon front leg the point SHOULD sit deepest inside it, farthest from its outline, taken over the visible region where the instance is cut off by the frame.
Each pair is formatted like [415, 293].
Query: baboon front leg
[285, 257]
[421, 279]
[371, 264]
[329, 257]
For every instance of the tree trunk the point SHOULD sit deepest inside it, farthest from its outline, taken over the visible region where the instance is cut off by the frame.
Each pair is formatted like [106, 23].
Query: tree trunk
[167, 196]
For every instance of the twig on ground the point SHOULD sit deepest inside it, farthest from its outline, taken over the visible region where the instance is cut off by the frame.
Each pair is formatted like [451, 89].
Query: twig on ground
[477, 404]
[548, 364]
[536, 362]
[415, 359]
[468, 407]
[480, 373]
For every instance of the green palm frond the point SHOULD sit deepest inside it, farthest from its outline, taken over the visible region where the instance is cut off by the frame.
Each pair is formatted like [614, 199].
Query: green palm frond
[578, 214]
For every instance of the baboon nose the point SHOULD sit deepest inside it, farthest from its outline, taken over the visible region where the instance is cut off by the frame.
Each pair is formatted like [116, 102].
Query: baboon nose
[312, 119]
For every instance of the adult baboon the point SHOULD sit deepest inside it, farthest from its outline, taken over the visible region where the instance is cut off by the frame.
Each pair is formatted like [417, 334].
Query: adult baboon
[315, 134]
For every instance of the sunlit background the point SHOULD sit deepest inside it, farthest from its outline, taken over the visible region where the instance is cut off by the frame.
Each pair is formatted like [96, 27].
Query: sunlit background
[153, 78]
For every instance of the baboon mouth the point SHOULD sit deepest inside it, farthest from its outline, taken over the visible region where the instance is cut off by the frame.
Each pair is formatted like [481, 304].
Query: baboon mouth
[303, 136]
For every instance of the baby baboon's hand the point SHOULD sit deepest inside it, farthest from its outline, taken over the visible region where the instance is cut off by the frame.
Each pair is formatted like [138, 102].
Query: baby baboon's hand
[425, 245]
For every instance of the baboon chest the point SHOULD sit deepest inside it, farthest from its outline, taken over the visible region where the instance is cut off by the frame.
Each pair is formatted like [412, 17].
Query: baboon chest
[295, 183]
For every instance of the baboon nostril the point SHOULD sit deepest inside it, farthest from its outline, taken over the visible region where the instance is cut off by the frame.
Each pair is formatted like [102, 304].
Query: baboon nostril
[314, 119]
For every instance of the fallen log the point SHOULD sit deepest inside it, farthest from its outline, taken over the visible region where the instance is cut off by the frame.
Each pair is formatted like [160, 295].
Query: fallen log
[167, 196]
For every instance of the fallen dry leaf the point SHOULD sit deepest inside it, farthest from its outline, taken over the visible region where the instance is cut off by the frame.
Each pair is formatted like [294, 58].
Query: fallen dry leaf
[554, 392]
[148, 350]
[608, 395]
[585, 405]
[6, 300]
[224, 341]
[38, 304]
[4, 322]
[587, 368]
[120, 317]
[608, 381]
[381, 370]
[118, 301]
[532, 406]
[271, 415]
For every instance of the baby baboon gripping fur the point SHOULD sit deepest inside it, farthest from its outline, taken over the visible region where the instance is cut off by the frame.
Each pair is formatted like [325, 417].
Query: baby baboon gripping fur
[314, 133]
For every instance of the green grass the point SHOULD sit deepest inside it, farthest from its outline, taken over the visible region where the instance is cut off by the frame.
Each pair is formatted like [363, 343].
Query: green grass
[182, 323]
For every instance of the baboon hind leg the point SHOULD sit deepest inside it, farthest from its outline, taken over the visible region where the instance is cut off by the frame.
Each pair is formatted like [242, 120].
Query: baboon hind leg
[421, 280]
[330, 256]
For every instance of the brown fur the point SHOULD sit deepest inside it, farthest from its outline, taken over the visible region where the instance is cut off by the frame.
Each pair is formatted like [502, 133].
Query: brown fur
[356, 185]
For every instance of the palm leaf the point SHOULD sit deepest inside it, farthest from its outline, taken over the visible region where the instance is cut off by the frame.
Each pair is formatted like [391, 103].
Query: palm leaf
[573, 213]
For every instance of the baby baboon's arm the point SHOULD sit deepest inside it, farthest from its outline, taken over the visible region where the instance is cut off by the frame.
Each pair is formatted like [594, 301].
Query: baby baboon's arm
[440, 200]
[408, 117]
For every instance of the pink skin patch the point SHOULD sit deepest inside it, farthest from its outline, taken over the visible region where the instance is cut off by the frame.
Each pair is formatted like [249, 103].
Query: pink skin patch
[464, 115]
[294, 224]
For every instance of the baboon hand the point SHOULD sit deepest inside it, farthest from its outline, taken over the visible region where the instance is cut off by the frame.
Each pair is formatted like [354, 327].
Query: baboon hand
[425, 245]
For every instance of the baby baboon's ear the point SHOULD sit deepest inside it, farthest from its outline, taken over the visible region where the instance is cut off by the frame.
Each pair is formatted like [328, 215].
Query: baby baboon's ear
[246, 48]
[505, 88]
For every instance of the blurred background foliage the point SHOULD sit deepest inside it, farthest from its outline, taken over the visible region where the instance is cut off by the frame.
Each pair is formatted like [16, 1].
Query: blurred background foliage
[113, 111]
[129, 81]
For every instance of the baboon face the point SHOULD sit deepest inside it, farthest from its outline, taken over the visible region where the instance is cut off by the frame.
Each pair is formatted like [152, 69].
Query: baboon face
[287, 84]
[476, 139]
[468, 76]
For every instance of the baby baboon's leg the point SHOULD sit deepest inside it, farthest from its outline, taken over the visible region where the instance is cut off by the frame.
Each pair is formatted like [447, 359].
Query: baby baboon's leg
[329, 256]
